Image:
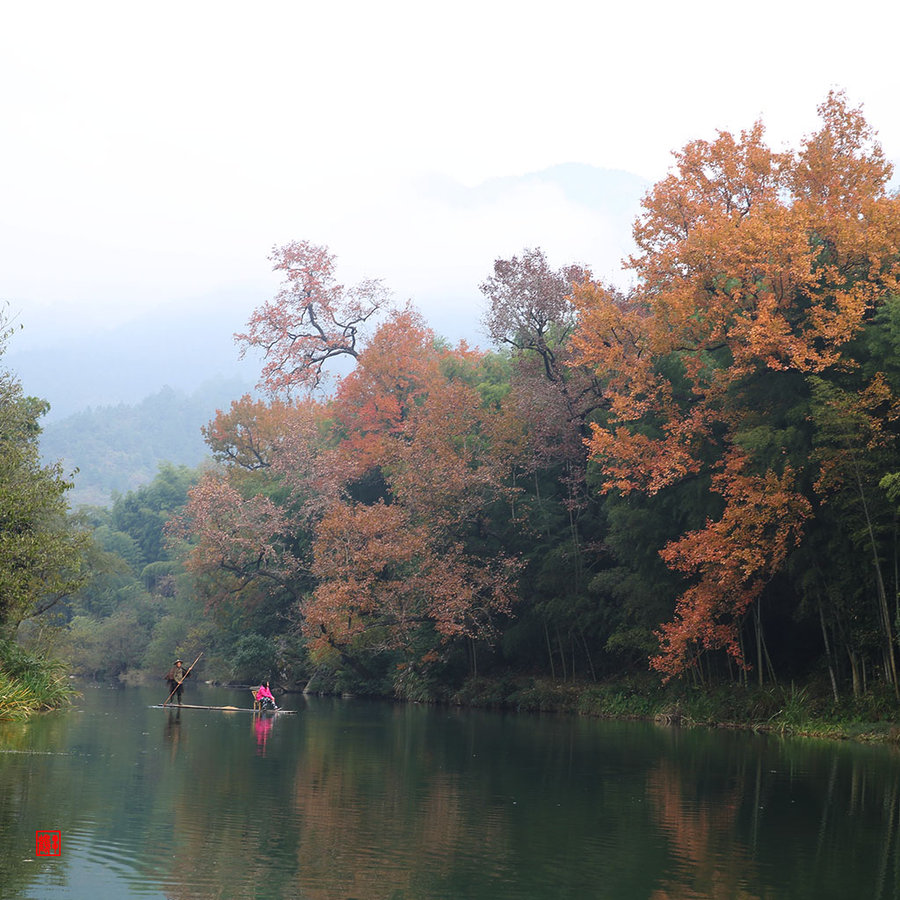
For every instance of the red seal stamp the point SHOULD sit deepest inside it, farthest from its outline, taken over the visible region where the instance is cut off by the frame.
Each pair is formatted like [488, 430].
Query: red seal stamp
[47, 843]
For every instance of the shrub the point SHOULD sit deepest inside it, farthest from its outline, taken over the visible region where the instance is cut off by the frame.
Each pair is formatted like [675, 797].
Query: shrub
[29, 683]
[253, 659]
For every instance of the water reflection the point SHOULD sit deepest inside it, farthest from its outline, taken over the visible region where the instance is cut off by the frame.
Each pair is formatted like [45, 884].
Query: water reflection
[710, 858]
[357, 800]
[748, 817]
[172, 731]
[262, 725]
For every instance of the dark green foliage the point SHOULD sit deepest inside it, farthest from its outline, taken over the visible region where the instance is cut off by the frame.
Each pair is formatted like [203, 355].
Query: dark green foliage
[253, 660]
[41, 548]
[129, 618]
[142, 514]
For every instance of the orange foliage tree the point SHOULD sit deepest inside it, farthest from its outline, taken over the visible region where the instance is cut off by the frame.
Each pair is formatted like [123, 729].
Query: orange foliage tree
[754, 269]
[393, 554]
[239, 545]
[367, 508]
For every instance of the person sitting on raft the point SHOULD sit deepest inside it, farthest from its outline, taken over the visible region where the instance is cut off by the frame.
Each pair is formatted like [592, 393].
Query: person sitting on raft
[265, 697]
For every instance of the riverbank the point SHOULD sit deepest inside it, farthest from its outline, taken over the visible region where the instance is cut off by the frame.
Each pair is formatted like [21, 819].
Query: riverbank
[789, 710]
[30, 684]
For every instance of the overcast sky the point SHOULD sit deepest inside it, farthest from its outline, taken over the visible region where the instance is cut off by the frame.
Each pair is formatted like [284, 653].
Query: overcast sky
[152, 154]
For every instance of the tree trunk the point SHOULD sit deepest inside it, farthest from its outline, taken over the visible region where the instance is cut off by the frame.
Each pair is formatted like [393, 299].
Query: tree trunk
[759, 656]
[550, 651]
[884, 613]
[587, 651]
[854, 672]
[562, 654]
[762, 651]
[834, 686]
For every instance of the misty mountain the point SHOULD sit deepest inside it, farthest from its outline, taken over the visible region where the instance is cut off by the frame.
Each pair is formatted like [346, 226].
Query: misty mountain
[182, 347]
[119, 448]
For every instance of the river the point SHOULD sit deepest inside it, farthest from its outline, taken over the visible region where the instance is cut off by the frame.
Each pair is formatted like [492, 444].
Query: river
[358, 800]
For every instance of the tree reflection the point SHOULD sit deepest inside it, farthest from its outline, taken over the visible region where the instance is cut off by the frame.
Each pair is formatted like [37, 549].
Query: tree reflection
[776, 818]
[172, 732]
[366, 831]
[710, 861]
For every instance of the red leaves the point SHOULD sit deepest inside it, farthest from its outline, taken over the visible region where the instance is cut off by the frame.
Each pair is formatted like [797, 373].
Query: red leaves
[232, 534]
[311, 320]
[395, 374]
[382, 572]
[404, 424]
[389, 568]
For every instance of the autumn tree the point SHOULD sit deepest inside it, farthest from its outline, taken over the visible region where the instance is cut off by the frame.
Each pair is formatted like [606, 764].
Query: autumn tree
[394, 554]
[311, 320]
[247, 434]
[530, 309]
[247, 524]
[365, 508]
[754, 269]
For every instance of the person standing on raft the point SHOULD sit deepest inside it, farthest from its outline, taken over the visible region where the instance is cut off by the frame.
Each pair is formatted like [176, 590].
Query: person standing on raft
[175, 676]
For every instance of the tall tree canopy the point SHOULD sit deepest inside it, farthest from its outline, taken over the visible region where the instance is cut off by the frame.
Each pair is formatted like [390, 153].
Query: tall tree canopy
[666, 473]
[364, 510]
[755, 273]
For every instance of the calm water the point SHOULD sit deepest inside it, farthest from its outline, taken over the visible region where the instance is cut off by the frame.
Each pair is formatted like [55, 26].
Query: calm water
[350, 799]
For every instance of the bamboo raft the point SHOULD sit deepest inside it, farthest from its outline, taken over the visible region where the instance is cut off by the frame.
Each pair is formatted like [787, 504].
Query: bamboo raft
[287, 712]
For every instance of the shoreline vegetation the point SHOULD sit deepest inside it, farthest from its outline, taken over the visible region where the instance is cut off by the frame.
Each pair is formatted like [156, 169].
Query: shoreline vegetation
[29, 685]
[796, 711]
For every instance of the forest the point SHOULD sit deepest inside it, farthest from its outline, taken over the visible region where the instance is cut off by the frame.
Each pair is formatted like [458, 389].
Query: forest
[690, 485]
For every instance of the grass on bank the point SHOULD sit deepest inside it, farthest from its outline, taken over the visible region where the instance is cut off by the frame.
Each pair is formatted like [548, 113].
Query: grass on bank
[782, 709]
[29, 683]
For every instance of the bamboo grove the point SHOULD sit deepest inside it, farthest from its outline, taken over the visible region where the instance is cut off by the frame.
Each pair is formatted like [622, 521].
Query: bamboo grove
[699, 475]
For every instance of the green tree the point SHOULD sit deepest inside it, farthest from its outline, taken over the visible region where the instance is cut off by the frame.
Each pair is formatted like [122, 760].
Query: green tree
[142, 514]
[41, 549]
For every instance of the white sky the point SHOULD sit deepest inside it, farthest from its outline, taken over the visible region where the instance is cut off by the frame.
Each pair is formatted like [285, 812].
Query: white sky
[153, 154]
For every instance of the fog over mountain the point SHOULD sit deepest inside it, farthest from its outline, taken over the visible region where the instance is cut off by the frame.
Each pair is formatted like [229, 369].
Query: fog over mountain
[181, 348]
[432, 247]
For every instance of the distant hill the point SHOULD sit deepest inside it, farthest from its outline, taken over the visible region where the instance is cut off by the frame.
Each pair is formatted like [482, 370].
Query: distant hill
[119, 448]
[182, 346]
